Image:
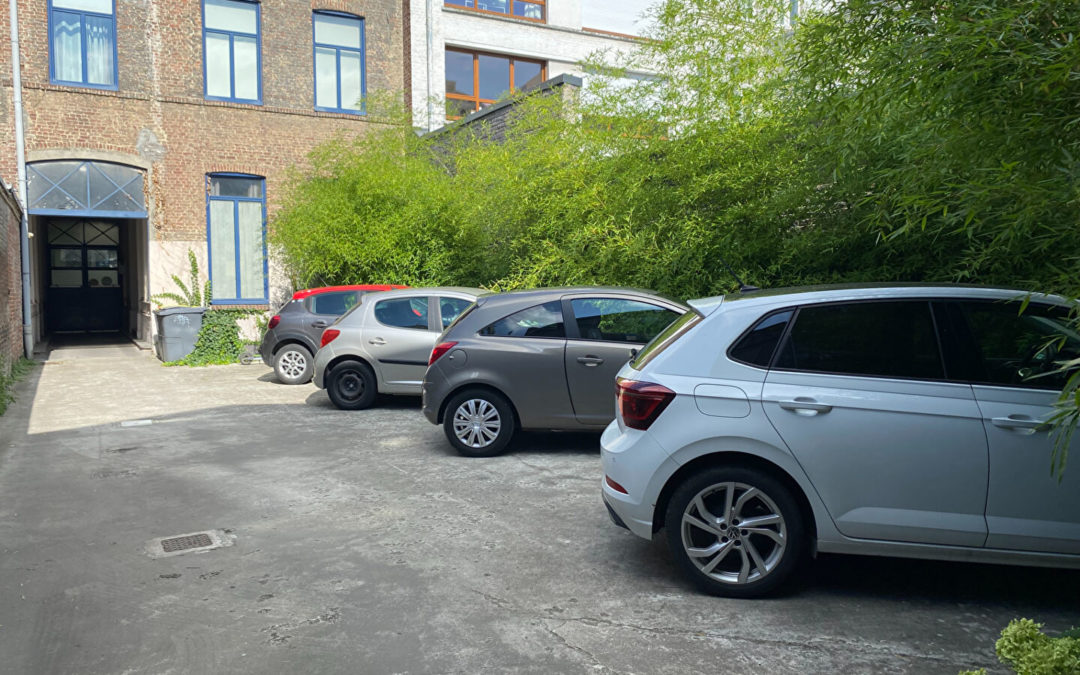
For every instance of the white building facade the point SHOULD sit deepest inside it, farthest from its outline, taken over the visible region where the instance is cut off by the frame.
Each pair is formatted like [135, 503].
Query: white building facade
[466, 54]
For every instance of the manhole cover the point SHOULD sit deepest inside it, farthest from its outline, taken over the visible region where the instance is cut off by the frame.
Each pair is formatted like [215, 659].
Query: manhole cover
[185, 543]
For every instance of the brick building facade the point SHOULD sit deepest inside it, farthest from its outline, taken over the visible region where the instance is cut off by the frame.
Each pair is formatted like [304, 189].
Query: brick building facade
[198, 88]
[11, 337]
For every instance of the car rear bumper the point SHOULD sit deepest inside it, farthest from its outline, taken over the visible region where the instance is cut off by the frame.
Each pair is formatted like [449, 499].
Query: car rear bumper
[322, 358]
[433, 392]
[266, 348]
[634, 461]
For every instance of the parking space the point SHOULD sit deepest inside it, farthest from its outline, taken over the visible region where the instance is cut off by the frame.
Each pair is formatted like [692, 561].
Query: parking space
[360, 542]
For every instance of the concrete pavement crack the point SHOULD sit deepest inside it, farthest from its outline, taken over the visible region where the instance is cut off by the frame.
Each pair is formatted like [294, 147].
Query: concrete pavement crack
[821, 644]
[597, 665]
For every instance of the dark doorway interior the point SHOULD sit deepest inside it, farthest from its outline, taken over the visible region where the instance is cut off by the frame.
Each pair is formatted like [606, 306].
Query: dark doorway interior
[85, 289]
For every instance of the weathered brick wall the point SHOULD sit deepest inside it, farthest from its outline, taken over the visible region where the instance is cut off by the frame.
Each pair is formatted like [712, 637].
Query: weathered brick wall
[11, 343]
[158, 119]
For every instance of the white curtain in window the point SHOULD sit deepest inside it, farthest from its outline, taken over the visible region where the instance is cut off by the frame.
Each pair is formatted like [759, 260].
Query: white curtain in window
[223, 250]
[351, 91]
[217, 65]
[326, 77]
[67, 47]
[99, 51]
[246, 68]
[251, 250]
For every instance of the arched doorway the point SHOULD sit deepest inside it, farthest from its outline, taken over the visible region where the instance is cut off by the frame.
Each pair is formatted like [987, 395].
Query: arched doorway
[89, 223]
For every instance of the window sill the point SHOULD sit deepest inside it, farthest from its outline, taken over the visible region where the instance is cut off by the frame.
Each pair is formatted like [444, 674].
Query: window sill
[83, 85]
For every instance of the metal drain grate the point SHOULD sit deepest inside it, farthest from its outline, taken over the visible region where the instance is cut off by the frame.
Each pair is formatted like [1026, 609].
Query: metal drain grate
[185, 543]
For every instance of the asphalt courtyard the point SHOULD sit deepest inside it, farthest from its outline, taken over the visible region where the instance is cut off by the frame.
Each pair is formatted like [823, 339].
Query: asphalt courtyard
[360, 543]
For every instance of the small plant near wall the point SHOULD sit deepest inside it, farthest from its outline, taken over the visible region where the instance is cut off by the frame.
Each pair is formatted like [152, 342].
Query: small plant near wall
[190, 294]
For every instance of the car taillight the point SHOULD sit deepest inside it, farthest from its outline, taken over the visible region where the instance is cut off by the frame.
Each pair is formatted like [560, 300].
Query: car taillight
[439, 350]
[329, 335]
[274, 321]
[640, 403]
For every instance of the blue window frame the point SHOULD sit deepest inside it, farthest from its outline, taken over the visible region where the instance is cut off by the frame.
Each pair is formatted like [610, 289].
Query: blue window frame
[82, 43]
[340, 80]
[236, 238]
[232, 51]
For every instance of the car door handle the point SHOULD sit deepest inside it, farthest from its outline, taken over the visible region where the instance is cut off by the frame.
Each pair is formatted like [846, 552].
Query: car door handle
[590, 361]
[377, 341]
[1021, 423]
[319, 324]
[803, 405]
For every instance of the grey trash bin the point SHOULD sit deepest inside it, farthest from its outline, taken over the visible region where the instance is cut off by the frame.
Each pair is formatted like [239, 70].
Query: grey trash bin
[177, 330]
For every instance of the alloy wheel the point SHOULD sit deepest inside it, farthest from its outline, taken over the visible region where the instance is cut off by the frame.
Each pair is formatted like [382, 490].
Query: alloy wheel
[734, 533]
[293, 364]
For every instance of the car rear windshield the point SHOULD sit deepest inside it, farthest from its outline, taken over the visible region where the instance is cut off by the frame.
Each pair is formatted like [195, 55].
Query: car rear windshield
[678, 328]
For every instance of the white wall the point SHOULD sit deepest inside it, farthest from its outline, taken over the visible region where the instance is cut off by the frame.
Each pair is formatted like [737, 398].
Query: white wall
[560, 42]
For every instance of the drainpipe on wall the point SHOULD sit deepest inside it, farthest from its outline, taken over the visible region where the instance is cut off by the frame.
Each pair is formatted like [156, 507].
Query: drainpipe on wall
[20, 160]
[430, 50]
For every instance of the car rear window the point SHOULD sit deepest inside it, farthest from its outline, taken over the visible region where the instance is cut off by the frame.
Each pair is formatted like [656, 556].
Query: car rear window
[675, 330]
[542, 321]
[757, 345]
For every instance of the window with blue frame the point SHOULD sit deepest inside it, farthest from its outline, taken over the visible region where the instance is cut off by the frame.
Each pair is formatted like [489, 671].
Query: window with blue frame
[82, 43]
[236, 233]
[339, 62]
[231, 51]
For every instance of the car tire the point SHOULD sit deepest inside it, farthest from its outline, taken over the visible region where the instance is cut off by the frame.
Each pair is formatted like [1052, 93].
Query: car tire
[479, 423]
[720, 557]
[352, 385]
[293, 364]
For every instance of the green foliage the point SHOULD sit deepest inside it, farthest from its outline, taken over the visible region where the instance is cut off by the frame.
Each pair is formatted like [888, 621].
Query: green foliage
[218, 342]
[1027, 650]
[18, 371]
[873, 141]
[189, 295]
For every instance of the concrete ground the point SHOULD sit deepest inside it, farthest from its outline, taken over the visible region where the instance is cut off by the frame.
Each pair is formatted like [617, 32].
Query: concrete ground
[362, 544]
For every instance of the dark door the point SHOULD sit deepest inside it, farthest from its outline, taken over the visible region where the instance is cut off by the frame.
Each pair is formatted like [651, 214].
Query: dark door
[85, 293]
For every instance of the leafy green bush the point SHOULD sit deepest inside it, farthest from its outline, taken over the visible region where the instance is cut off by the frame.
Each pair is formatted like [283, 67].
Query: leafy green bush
[1027, 650]
[218, 342]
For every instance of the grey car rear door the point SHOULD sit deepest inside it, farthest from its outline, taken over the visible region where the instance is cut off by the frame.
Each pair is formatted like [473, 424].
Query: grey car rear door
[1027, 507]
[400, 338]
[605, 333]
[857, 391]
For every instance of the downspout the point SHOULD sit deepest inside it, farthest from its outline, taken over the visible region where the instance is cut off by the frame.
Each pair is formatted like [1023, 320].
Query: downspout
[430, 50]
[20, 161]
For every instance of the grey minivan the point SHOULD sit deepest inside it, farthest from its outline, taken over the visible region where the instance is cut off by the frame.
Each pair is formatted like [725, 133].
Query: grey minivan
[537, 359]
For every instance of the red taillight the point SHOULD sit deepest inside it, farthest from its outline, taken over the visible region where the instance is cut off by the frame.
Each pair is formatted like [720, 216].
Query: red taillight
[274, 321]
[329, 335]
[640, 403]
[615, 486]
[439, 350]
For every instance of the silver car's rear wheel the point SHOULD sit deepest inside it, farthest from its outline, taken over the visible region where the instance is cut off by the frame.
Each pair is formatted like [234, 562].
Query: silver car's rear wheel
[737, 532]
[479, 423]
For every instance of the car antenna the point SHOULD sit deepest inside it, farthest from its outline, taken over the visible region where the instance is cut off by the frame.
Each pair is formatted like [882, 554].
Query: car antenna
[743, 288]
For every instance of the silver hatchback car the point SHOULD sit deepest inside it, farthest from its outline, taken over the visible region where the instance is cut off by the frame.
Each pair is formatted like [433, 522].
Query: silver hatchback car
[900, 420]
[383, 344]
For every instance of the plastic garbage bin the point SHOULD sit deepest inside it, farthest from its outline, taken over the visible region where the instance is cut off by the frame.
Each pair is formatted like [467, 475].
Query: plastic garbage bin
[177, 330]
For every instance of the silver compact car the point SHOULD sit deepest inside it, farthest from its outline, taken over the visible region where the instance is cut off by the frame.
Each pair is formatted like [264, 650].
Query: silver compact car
[899, 420]
[538, 359]
[382, 345]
